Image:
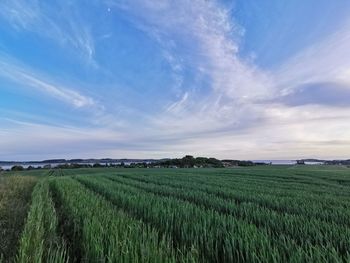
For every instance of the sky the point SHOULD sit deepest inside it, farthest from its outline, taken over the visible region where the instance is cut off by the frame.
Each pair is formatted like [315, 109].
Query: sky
[237, 79]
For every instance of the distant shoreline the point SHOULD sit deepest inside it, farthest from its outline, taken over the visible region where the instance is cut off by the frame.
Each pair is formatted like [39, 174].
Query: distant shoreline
[54, 163]
[132, 160]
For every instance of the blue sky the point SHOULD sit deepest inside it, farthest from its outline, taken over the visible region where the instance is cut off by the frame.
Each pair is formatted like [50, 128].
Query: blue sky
[237, 79]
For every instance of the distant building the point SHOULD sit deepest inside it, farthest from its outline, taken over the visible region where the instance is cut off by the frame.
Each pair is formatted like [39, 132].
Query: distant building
[300, 162]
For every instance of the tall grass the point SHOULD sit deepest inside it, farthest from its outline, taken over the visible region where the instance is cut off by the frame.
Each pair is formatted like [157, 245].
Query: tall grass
[307, 198]
[257, 214]
[218, 237]
[108, 235]
[40, 241]
[300, 228]
[15, 193]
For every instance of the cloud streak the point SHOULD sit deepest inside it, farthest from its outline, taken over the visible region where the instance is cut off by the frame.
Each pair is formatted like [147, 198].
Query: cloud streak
[220, 102]
[326, 61]
[207, 40]
[59, 22]
[201, 38]
[27, 78]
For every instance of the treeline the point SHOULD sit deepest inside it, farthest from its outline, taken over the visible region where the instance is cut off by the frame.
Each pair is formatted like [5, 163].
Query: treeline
[337, 162]
[189, 162]
[228, 163]
[186, 162]
[202, 162]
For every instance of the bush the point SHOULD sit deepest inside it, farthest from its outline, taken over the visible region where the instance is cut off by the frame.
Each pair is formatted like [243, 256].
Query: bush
[17, 168]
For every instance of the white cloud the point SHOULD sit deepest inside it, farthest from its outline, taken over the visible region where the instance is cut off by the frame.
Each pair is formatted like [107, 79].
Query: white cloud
[326, 61]
[26, 77]
[22, 141]
[200, 37]
[229, 110]
[205, 30]
[178, 105]
[230, 118]
[61, 23]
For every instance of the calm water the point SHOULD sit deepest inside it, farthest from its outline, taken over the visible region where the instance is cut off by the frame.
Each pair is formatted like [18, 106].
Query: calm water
[5, 167]
[280, 162]
[25, 166]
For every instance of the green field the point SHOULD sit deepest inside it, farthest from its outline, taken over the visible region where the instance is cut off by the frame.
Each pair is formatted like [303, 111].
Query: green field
[255, 214]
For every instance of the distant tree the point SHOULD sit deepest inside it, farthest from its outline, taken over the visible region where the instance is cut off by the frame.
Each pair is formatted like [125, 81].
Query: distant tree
[131, 165]
[17, 168]
[188, 161]
[62, 166]
[229, 163]
[201, 161]
[215, 163]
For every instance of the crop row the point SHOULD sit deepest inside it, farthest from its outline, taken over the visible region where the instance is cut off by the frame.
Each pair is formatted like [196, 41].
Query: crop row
[217, 237]
[329, 196]
[101, 233]
[40, 241]
[302, 229]
[297, 206]
[268, 184]
[15, 193]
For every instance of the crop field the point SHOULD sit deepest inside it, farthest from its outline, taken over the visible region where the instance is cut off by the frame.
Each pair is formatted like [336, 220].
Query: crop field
[255, 214]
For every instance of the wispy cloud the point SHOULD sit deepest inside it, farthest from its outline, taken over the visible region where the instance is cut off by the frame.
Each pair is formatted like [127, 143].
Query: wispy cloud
[60, 22]
[201, 38]
[222, 103]
[204, 34]
[207, 40]
[178, 105]
[326, 61]
[322, 93]
[26, 77]
[73, 93]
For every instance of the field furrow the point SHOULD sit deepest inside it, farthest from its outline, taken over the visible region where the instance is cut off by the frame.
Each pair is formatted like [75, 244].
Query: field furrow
[108, 235]
[300, 205]
[15, 198]
[219, 238]
[253, 214]
[300, 228]
[40, 241]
